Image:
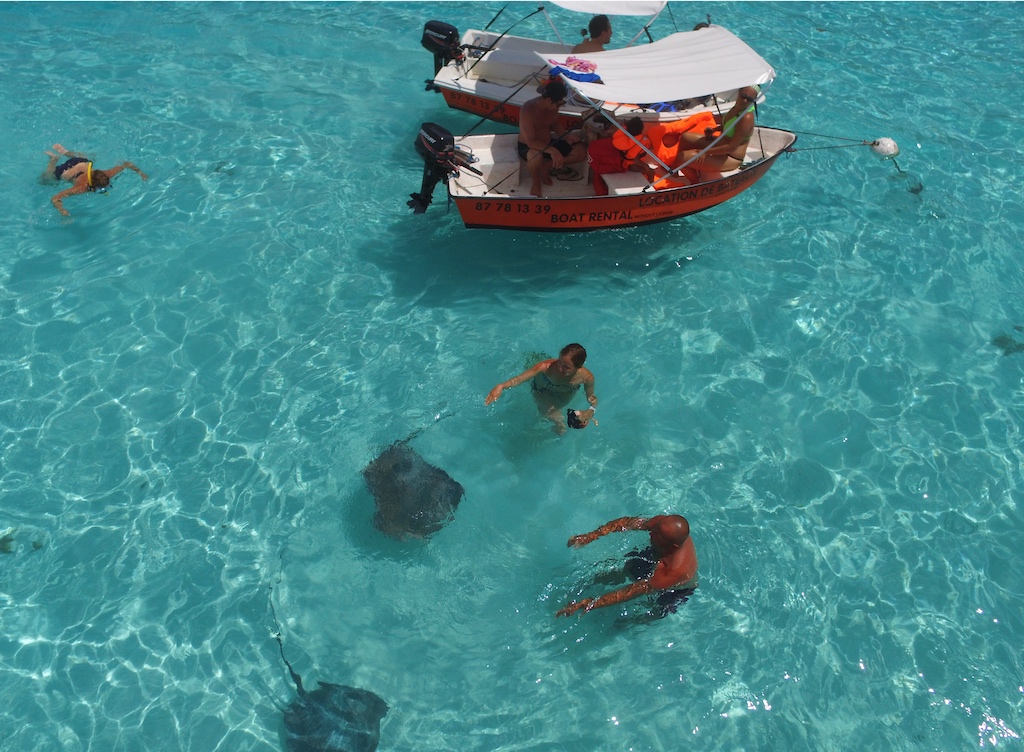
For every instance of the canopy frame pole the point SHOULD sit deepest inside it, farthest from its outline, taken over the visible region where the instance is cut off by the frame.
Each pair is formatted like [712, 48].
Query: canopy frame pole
[500, 37]
[710, 146]
[646, 28]
[554, 28]
[618, 125]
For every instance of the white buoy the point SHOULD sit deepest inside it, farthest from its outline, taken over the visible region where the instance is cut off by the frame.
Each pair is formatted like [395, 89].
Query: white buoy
[886, 148]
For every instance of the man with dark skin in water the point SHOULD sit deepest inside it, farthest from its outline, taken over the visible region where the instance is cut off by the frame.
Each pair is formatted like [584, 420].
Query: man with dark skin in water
[670, 542]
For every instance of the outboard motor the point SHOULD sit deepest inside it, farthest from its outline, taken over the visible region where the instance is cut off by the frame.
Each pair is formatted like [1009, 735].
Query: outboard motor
[441, 160]
[443, 40]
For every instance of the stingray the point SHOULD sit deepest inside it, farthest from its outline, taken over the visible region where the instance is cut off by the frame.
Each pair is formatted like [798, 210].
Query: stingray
[414, 499]
[1008, 344]
[332, 718]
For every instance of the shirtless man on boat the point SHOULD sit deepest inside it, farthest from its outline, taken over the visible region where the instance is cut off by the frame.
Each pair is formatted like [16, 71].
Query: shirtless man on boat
[542, 149]
[600, 34]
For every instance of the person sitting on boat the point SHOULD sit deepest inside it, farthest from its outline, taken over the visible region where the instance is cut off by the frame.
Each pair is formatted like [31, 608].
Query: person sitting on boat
[613, 151]
[667, 138]
[633, 141]
[600, 35]
[538, 145]
[663, 140]
[77, 170]
[737, 127]
[554, 382]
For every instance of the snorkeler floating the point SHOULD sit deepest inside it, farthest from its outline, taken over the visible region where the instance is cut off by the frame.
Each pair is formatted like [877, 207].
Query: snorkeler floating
[77, 169]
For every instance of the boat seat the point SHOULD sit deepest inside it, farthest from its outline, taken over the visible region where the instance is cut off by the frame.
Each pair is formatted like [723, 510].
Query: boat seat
[503, 174]
[498, 160]
[497, 153]
[633, 182]
[747, 161]
[507, 67]
[624, 182]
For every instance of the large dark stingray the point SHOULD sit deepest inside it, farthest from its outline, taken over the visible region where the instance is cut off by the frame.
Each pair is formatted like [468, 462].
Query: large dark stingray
[414, 499]
[332, 718]
[1008, 344]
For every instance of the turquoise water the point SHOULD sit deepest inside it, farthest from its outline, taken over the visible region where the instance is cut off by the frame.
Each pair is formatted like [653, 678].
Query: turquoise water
[196, 369]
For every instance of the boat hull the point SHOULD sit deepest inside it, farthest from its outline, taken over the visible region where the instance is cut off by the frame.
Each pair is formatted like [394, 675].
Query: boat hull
[500, 112]
[585, 213]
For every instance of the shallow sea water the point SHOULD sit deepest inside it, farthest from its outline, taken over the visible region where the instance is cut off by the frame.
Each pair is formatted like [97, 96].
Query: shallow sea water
[195, 370]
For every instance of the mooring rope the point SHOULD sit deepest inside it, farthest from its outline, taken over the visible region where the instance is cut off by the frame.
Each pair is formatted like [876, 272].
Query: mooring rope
[858, 142]
[885, 148]
[825, 135]
[836, 146]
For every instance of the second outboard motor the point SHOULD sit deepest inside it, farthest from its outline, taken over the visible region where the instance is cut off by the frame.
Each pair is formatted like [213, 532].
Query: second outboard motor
[436, 146]
[443, 40]
[441, 160]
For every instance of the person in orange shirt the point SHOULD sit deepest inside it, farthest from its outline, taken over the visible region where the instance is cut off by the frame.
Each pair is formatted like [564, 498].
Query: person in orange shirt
[668, 565]
[665, 141]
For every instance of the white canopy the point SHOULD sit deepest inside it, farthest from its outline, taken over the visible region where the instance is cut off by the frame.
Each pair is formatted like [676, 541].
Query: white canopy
[613, 7]
[685, 65]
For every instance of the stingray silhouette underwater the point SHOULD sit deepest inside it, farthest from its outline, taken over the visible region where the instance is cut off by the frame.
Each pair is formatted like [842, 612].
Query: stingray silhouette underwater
[1008, 344]
[414, 499]
[331, 718]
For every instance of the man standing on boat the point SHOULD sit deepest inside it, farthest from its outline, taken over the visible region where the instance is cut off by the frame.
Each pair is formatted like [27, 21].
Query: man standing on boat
[538, 144]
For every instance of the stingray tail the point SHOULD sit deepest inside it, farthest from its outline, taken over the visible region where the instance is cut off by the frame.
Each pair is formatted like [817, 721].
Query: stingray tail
[277, 636]
[438, 417]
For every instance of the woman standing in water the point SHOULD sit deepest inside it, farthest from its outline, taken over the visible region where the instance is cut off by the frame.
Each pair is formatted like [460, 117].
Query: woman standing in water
[554, 382]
